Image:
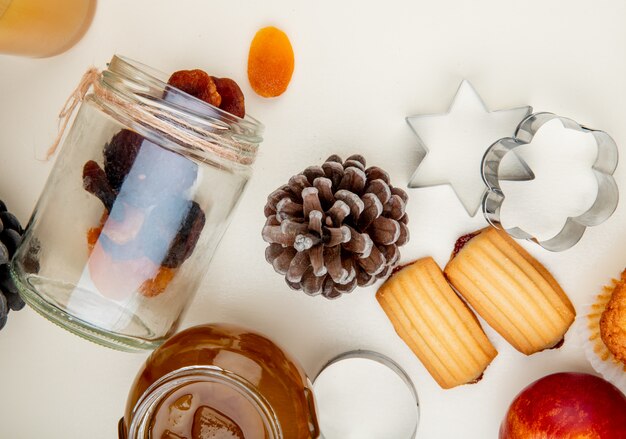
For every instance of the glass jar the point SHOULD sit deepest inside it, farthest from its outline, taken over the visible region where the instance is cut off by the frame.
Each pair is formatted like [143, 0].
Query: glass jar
[220, 381]
[133, 210]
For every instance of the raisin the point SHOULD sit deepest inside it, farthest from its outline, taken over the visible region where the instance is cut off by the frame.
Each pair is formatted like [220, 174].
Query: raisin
[197, 83]
[119, 155]
[232, 97]
[95, 182]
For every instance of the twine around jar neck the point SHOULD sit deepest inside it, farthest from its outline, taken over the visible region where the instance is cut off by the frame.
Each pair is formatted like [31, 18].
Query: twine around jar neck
[90, 78]
[176, 128]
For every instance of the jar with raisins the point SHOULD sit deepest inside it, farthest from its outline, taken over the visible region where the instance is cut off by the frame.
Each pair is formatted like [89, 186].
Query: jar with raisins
[135, 205]
[220, 381]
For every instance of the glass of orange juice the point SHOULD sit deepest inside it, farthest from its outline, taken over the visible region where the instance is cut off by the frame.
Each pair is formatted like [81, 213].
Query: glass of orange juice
[40, 28]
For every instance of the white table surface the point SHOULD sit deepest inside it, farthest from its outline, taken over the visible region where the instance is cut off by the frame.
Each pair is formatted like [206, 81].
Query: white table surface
[361, 67]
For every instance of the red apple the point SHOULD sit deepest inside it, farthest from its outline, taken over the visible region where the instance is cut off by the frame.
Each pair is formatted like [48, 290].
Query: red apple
[567, 406]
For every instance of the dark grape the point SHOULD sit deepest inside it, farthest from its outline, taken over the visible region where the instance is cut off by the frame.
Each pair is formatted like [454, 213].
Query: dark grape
[11, 222]
[6, 282]
[14, 301]
[11, 240]
[4, 311]
[5, 256]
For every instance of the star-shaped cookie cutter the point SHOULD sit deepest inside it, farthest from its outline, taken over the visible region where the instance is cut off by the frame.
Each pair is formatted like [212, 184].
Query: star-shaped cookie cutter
[464, 129]
[603, 168]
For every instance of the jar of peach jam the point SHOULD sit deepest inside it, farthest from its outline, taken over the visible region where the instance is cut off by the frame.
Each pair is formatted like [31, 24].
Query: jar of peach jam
[220, 381]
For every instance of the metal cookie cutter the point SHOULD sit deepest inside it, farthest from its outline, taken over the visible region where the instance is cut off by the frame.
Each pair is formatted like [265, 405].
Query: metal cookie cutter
[463, 131]
[603, 169]
[366, 395]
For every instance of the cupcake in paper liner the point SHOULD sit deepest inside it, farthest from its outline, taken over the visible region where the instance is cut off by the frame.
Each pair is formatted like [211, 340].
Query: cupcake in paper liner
[603, 326]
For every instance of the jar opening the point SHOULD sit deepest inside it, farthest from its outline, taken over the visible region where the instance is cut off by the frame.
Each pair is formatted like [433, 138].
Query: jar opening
[207, 397]
[139, 96]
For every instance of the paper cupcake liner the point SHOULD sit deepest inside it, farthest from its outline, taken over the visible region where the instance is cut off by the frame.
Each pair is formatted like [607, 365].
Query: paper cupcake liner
[588, 329]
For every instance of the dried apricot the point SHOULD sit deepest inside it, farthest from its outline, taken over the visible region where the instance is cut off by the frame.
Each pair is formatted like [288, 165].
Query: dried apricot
[94, 232]
[92, 237]
[232, 96]
[197, 83]
[270, 62]
[155, 286]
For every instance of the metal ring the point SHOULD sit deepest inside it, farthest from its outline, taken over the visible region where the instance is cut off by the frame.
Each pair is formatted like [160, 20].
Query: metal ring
[385, 361]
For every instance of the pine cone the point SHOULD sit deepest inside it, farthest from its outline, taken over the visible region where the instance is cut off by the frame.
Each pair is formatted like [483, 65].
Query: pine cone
[335, 226]
[10, 238]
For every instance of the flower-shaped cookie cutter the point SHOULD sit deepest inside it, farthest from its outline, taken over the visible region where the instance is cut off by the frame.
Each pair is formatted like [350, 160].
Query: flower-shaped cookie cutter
[603, 168]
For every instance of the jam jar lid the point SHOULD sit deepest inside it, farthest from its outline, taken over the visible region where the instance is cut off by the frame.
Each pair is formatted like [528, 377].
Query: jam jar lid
[363, 394]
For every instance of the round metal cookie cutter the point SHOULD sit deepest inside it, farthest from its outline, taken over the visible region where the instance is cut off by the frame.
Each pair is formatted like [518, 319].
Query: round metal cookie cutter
[362, 394]
[603, 168]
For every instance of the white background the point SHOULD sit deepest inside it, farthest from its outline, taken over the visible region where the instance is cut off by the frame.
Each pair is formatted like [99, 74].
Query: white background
[361, 67]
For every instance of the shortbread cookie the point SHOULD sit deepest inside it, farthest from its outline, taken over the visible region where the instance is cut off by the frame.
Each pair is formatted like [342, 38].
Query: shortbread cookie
[511, 290]
[435, 323]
